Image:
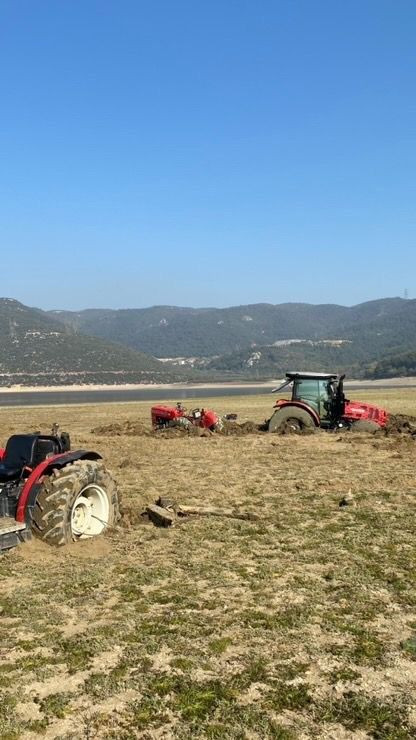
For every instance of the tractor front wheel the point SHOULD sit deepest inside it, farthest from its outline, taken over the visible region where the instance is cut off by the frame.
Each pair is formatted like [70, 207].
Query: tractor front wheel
[290, 418]
[76, 502]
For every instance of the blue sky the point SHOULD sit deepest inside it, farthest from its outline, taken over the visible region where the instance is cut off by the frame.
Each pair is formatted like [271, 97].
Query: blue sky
[207, 153]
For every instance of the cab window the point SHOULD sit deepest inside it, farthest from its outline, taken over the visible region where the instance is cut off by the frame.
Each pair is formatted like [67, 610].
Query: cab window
[314, 393]
[307, 390]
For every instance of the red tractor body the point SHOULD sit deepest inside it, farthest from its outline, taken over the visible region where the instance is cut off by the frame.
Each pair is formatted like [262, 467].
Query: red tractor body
[357, 411]
[170, 416]
[27, 463]
[318, 401]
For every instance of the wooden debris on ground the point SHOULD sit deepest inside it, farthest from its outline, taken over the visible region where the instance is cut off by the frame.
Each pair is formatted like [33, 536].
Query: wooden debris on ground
[209, 511]
[159, 516]
[165, 512]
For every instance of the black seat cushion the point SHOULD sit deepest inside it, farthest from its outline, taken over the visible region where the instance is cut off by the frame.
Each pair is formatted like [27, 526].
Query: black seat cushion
[9, 473]
[26, 450]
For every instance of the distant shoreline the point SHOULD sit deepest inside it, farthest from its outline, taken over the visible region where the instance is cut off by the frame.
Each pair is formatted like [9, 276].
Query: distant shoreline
[267, 385]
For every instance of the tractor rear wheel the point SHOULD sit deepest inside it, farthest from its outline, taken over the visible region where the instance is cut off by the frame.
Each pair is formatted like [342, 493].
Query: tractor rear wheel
[76, 502]
[364, 425]
[292, 418]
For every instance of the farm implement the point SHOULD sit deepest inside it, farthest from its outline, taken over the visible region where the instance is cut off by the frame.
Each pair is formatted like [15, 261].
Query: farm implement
[318, 401]
[52, 492]
[177, 416]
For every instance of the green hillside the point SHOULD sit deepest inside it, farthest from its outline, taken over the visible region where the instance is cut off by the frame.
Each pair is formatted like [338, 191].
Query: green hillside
[393, 365]
[273, 362]
[166, 331]
[38, 350]
[373, 339]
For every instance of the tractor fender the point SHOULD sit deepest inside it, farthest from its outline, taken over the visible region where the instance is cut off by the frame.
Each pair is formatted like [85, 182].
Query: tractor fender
[30, 489]
[209, 419]
[301, 405]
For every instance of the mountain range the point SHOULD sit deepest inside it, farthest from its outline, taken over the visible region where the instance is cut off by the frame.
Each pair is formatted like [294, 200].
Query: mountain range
[38, 350]
[263, 340]
[170, 331]
[169, 343]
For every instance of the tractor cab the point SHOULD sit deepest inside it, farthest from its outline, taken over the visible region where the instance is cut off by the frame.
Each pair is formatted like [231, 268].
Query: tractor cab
[323, 393]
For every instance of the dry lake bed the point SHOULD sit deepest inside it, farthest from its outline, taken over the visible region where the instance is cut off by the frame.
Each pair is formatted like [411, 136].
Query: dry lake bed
[300, 624]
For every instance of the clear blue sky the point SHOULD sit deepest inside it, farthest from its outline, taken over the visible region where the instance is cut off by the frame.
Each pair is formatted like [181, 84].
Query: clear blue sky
[207, 153]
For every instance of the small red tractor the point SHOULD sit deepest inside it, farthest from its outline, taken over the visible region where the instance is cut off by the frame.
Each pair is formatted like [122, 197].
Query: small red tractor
[318, 400]
[177, 416]
[55, 493]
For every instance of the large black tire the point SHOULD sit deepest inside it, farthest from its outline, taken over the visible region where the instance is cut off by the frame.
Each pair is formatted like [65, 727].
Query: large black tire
[76, 502]
[364, 425]
[290, 417]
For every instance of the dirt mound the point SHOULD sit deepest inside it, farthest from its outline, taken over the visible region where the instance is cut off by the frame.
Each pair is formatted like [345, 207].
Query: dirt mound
[182, 431]
[129, 428]
[229, 429]
[233, 428]
[399, 424]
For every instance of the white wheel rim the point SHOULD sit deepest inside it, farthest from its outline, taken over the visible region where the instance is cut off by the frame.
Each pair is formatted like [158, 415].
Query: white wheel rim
[90, 513]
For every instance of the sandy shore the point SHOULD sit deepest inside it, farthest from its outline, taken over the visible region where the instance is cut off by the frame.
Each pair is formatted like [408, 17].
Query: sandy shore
[393, 382]
[132, 387]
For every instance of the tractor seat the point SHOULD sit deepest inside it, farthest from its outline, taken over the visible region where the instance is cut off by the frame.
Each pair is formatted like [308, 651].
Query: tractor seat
[25, 450]
[8, 473]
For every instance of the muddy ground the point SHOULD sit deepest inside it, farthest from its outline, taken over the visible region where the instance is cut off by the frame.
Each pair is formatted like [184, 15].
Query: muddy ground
[398, 424]
[299, 624]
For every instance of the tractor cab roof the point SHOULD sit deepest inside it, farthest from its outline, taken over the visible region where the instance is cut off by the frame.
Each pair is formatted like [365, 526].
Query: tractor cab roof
[312, 376]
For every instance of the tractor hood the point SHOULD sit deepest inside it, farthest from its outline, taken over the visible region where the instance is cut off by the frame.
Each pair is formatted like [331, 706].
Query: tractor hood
[356, 410]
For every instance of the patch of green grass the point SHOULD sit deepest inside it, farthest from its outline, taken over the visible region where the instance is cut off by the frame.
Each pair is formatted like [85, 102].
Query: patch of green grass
[368, 647]
[382, 720]
[10, 728]
[101, 685]
[144, 714]
[409, 646]
[286, 618]
[256, 671]
[78, 651]
[344, 673]
[182, 664]
[197, 701]
[219, 645]
[289, 696]
[55, 705]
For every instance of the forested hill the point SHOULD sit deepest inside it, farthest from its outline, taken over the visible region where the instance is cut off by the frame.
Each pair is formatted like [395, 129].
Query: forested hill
[38, 350]
[167, 331]
[374, 339]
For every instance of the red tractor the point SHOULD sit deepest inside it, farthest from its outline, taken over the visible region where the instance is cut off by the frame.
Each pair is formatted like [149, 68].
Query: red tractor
[177, 416]
[58, 494]
[318, 400]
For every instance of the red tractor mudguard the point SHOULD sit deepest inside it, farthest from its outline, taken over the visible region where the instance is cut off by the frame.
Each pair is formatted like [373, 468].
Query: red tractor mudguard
[209, 419]
[29, 490]
[301, 405]
[357, 411]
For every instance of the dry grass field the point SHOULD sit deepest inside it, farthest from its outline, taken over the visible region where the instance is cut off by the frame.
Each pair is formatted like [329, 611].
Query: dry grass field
[301, 624]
